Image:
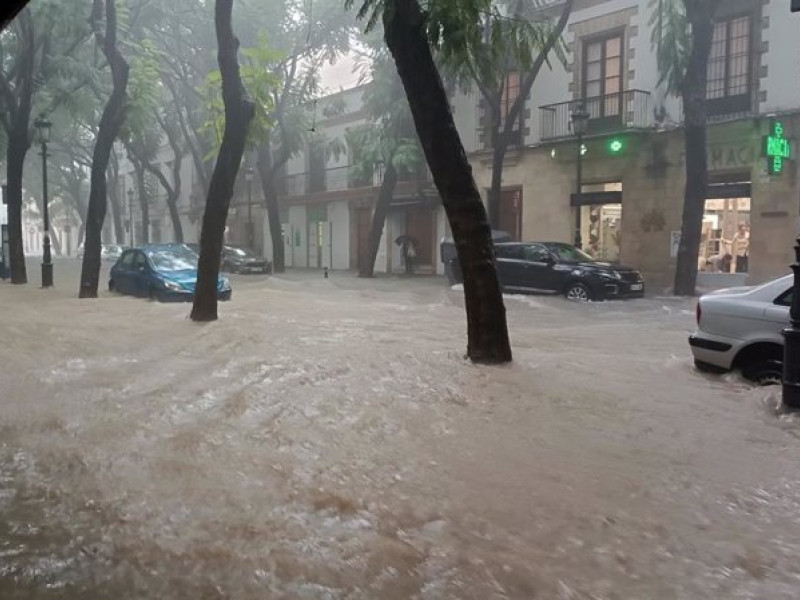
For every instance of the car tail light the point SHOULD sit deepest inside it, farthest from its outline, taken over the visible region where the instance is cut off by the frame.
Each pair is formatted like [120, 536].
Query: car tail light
[699, 313]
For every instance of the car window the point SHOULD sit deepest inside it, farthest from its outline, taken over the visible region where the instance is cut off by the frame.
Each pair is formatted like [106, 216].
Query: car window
[535, 253]
[509, 252]
[127, 259]
[567, 253]
[171, 261]
[785, 299]
[139, 260]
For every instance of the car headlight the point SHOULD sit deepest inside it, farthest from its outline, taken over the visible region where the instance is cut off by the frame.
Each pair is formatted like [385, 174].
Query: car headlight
[171, 285]
[611, 275]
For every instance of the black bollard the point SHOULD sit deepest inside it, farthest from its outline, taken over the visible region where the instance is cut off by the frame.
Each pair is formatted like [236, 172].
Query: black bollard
[326, 272]
[791, 347]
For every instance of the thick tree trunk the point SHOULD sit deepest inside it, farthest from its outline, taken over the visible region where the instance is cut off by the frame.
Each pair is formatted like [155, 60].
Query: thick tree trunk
[110, 124]
[19, 108]
[9, 10]
[367, 267]
[15, 157]
[405, 34]
[239, 112]
[700, 14]
[266, 172]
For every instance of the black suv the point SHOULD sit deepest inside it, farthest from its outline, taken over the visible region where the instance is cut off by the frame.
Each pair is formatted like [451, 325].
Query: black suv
[557, 268]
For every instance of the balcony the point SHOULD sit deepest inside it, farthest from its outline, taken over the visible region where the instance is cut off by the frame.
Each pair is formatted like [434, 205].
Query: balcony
[339, 179]
[607, 114]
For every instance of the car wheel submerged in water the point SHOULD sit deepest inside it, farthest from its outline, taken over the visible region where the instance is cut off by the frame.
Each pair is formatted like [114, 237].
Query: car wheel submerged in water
[578, 292]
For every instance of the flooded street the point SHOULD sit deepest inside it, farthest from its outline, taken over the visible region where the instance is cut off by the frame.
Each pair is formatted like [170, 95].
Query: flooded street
[326, 439]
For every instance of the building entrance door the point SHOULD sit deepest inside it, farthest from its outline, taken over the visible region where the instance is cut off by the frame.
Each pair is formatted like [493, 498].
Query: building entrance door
[510, 213]
[419, 225]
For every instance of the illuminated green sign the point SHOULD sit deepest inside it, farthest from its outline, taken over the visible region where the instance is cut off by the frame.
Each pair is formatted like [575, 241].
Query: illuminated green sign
[615, 146]
[777, 148]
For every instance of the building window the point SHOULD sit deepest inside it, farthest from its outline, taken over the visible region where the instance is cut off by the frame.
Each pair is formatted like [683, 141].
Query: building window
[728, 88]
[602, 76]
[509, 96]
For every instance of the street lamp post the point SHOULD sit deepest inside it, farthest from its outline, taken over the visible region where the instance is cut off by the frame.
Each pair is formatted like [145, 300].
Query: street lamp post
[248, 176]
[130, 215]
[580, 121]
[43, 130]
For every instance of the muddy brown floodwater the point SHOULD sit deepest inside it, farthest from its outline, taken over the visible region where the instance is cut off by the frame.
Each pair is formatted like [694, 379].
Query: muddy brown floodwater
[326, 440]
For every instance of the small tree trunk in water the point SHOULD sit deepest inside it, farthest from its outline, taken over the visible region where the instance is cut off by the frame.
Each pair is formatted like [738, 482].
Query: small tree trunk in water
[266, 173]
[367, 268]
[700, 14]
[239, 112]
[405, 34]
[110, 123]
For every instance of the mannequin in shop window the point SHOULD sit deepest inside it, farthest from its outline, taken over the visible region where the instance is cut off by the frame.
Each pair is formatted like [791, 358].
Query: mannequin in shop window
[740, 247]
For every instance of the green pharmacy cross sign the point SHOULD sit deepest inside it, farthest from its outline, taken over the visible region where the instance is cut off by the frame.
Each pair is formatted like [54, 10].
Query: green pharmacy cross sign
[777, 148]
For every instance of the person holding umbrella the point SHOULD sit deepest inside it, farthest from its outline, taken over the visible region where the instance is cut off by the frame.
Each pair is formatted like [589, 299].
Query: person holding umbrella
[408, 248]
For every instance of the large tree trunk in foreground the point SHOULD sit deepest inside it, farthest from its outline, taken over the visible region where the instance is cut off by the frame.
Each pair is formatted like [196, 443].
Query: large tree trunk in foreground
[110, 124]
[267, 173]
[8, 10]
[700, 14]
[17, 149]
[385, 195]
[487, 332]
[239, 112]
[19, 106]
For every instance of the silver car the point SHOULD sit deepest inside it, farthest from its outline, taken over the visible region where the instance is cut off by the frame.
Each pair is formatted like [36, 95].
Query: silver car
[740, 328]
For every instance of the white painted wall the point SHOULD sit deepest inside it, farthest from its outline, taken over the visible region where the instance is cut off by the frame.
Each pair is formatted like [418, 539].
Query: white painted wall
[782, 82]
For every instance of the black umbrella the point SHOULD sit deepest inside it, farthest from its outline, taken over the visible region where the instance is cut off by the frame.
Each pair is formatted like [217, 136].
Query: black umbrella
[405, 240]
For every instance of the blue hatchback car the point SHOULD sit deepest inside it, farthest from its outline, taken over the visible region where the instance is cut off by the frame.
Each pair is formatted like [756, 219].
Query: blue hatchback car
[165, 272]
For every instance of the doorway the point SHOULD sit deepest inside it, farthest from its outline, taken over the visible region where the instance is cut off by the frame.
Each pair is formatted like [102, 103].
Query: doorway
[599, 220]
[420, 226]
[510, 213]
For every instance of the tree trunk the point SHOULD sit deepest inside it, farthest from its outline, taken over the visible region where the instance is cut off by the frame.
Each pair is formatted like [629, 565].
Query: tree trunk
[388, 185]
[501, 132]
[56, 242]
[266, 172]
[239, 111]
[8, 11]
[18, 144]
[499, 147]
[116, 206]
[110, 124]
[700, 14]
[16, 151]
[144, 202]
[487, 331]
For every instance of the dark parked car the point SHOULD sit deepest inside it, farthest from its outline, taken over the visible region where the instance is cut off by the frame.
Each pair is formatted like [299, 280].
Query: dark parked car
[236, 259]
[163, 272]
[557, 268]
[449, 254]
